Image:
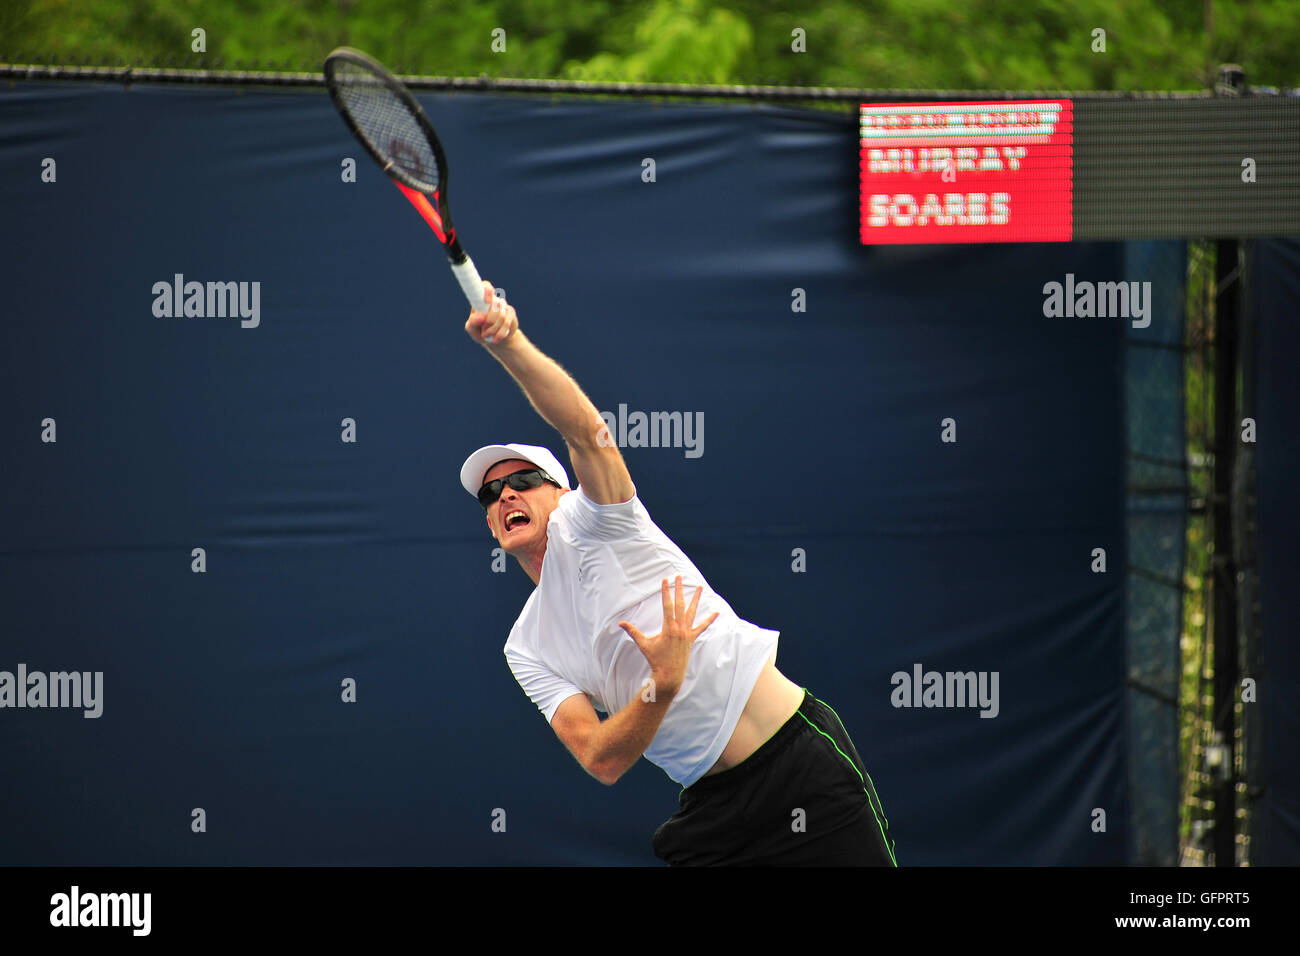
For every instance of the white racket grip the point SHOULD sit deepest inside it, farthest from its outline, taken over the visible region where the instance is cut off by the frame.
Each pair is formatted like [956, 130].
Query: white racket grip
[470, 283]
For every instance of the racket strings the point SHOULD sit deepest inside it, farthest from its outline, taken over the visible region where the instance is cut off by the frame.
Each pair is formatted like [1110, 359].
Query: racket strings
[383, 119]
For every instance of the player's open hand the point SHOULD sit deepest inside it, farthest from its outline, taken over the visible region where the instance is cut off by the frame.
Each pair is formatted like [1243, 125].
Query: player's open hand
[669, 650]
[495, 322]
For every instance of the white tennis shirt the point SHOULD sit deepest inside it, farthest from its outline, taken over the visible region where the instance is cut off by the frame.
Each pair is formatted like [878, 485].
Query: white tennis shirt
[604, 564]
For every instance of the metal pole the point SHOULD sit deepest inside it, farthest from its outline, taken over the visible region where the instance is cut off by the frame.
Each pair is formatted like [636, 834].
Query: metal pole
[1226, 436]
[1231, 82]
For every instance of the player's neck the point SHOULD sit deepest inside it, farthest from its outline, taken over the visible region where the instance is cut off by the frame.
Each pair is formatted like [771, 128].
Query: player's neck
[531, 561]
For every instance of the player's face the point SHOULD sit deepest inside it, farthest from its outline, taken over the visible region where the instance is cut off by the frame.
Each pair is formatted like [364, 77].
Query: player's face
[518, 518]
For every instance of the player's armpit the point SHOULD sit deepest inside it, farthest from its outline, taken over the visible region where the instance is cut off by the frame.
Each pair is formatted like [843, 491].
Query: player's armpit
[599, 467]
[576, 723]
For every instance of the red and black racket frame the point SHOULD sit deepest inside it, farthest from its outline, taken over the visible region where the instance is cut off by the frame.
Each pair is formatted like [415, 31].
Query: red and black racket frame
[436, 213]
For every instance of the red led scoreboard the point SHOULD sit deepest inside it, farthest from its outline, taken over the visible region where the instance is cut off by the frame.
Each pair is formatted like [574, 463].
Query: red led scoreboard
[967, 172]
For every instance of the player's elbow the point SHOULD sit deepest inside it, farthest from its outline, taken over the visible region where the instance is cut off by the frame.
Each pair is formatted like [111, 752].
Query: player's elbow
[589, 433]
[605, 773]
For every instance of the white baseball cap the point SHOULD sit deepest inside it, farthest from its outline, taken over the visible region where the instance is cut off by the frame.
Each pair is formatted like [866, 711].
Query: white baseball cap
[478, 464]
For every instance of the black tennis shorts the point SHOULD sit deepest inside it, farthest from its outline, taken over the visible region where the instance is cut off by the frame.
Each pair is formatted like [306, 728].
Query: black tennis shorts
[804, 798]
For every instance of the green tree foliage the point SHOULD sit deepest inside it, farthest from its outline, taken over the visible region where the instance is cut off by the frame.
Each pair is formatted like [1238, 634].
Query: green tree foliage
[674, 40]
[878, 44]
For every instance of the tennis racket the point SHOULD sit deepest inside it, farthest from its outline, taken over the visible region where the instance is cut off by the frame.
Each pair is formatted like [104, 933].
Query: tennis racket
[389, 123]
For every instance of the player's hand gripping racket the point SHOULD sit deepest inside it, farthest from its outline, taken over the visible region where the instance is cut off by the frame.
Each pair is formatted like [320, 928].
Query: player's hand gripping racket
[392, 127]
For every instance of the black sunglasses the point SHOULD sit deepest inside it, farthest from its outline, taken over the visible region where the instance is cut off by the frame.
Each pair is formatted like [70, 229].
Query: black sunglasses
[519, 481]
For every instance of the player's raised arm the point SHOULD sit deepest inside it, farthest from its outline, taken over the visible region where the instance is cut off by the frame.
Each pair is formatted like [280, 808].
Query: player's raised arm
[597, 462]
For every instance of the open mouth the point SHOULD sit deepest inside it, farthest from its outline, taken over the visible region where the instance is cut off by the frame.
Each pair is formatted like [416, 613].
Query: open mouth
[515, 519]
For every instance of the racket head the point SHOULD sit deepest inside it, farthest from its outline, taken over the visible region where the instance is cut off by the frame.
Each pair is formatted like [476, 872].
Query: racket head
[388, 122]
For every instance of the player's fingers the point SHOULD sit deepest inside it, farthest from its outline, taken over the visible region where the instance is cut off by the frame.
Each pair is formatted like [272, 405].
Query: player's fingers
[474, 326]
[668, 602]
[632, 632]
[700, 630]
[695, 603]
[502, 318]
[498, 318]
[679, 603]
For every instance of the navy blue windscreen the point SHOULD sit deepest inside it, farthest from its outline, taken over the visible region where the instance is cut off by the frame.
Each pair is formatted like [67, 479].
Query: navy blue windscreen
[824, 502]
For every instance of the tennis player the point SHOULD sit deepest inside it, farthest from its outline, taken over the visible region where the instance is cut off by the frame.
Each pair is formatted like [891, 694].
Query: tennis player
[769, 774]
